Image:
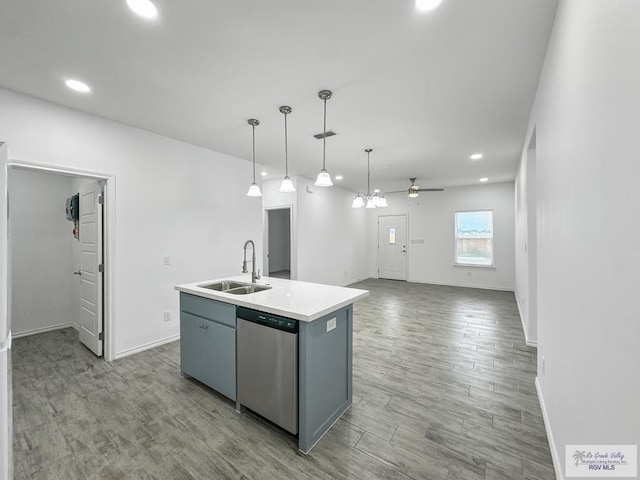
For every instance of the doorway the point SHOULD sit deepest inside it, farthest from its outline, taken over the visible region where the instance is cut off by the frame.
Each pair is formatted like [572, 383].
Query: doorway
[392, 247]
[278, 243]
[59, 258]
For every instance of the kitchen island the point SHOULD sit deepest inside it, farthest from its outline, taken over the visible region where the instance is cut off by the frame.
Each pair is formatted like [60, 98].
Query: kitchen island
[324, 325]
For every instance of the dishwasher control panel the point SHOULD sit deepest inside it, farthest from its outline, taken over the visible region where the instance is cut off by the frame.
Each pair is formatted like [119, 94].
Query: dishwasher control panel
[268, 320]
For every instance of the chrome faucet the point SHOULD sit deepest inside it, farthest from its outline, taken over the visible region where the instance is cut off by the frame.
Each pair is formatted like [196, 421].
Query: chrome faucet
[254, 276]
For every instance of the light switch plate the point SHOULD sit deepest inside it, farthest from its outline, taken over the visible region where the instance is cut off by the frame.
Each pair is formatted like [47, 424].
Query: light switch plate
[331, 324]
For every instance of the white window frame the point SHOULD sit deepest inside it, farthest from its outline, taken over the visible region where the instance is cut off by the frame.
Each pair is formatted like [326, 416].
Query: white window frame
[455, 241]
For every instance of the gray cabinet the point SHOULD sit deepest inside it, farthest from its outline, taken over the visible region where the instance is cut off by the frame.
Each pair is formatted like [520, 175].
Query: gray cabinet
[208, 342]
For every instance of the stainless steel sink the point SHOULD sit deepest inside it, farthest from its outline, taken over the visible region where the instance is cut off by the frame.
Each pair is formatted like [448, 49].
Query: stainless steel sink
[244, 290]
[223, 285]
[235, 288]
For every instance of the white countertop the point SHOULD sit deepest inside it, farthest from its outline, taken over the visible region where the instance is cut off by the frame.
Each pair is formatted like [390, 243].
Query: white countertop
[302, 301]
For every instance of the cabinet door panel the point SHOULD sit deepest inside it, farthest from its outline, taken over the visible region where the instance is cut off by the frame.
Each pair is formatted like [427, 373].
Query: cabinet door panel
[207, 308]
[208, 353]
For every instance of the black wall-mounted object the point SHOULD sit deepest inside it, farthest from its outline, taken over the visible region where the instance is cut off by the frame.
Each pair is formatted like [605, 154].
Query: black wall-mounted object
[73, 208]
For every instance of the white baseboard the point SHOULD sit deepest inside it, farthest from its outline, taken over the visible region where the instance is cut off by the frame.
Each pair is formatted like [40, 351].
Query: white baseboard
[480, 287]
[555, 454]
[351, 282]
[44, 329]
[146, 346]
[531, 343]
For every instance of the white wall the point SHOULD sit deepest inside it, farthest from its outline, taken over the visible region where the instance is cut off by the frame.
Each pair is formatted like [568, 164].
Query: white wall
[431, 218]
[330, 242]
[587, 118]
[172, 199]
[41, 251]
[332, 237]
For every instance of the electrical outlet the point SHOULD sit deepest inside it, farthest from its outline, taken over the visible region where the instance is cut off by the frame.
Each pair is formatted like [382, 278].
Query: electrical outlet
[544, 366]
[331, 324]
[167, 316]
[346, 272]
[468, 274]
[167, 260]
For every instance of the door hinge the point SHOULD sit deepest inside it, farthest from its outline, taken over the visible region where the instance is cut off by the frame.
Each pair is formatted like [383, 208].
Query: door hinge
[101, 268]
[101, 199]
[101, 336]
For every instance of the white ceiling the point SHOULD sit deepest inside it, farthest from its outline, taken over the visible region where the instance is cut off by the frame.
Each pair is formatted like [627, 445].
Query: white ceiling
[425, 91]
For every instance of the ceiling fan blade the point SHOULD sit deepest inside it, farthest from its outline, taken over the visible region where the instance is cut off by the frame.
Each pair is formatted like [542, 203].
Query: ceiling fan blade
[406, 190]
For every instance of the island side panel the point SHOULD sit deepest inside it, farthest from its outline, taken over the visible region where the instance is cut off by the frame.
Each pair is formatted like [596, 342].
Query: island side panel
[325, 374]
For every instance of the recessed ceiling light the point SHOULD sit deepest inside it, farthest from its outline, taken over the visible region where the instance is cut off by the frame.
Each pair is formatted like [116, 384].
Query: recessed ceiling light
[144, 8]
[264, 174]
[484, 179]
[78, 86]
[338, 177]
[427, 5]
[476, 156]
[377, 190]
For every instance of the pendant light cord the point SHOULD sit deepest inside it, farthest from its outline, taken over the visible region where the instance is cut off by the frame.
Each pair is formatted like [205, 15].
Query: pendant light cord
[324, 136]
[368, 175]
[286, 149]
[253, 131]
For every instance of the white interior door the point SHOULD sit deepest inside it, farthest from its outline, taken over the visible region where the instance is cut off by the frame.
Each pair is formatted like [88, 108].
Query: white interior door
[5, 329]
[392, 247]
[91, 313]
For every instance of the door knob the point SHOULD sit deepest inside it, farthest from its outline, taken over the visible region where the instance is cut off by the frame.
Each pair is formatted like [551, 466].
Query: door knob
[77, 273]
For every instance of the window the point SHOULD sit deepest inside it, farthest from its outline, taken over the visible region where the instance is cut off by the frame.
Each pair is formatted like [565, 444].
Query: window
[392, 235]
[474, 238]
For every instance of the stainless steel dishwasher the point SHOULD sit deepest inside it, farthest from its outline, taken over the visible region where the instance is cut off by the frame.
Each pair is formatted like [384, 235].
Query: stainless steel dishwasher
[267, 366]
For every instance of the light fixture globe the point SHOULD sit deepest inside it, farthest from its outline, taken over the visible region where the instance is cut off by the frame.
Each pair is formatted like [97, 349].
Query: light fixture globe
[371, 203]
[324, 179]
[358, 201]
[254, 190]
[286, 186]
[382, 202]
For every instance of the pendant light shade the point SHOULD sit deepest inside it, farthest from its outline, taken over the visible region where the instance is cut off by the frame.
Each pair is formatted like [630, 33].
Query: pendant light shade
[358, 201]
[370, 200]
[287, 185]
[324, 179]
[254, 189]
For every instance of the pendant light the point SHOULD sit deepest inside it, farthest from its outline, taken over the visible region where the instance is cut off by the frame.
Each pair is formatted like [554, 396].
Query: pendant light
[287, 185]
[324, 179]
[254, 189]
[375, 200]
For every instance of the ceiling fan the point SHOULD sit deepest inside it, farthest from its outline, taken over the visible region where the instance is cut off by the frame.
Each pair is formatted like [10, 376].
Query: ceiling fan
[414, 189]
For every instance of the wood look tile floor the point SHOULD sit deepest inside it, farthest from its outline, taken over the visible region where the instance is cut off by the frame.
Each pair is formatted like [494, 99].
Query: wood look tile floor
[443, 389]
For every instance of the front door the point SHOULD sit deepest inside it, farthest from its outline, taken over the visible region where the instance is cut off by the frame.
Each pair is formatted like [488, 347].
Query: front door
[392, 247]
[91, 267]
